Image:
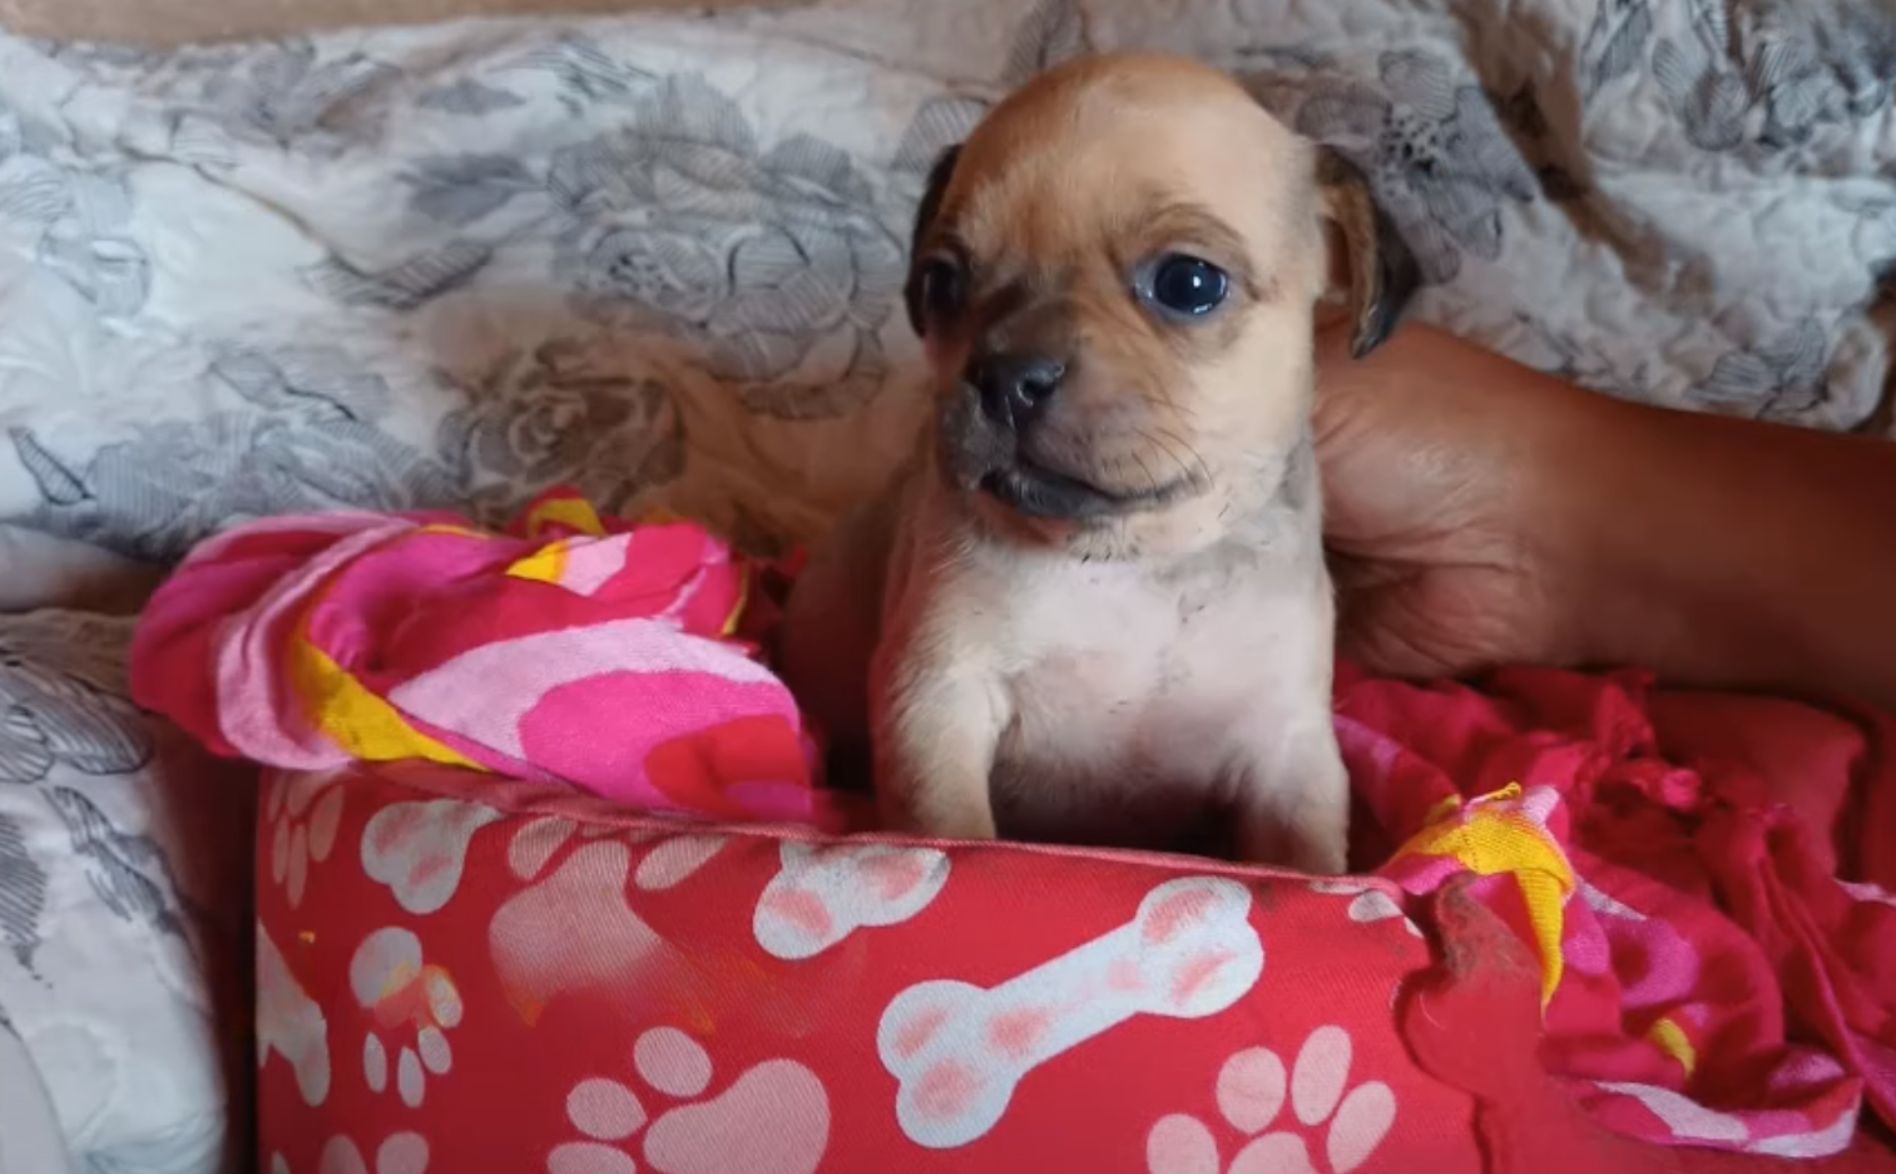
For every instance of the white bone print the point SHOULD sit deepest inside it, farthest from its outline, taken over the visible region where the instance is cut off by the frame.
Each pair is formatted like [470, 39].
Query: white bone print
[822, 895]
[959, 1051]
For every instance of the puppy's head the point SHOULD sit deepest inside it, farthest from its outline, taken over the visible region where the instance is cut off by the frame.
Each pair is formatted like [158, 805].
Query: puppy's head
[1115, 280]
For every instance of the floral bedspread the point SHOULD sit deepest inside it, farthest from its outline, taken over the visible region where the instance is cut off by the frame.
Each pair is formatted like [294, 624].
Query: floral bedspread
[657, 257]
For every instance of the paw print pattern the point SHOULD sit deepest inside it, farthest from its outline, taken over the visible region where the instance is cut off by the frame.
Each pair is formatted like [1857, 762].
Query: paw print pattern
[304, 809]
[1252, 1091]
[419, 849]
[402, 994]
[674, 859]
[399, 1153]
[773, 1119]
[577, 874]
[1368, 902]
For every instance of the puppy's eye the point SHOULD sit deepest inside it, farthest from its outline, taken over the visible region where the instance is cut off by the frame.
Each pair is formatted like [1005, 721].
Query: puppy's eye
[1187, 286]
[943, 289]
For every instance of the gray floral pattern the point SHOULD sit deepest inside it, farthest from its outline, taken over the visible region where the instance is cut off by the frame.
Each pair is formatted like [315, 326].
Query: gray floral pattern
[50, 719]
[1436, 154]
[63, 710]
[766, 262]
[79, 213]
[313, 434]
[217, 100]
[1781, 378]
[537, 417]
[306, 437]
[1770, 72]
[129, 873]
[1616, 42]
[22, 893]
[1051, 32]
[90, 849]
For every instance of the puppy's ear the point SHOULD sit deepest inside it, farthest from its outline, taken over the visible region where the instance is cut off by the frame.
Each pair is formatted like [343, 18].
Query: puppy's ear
[925, 212]
[1373, 262]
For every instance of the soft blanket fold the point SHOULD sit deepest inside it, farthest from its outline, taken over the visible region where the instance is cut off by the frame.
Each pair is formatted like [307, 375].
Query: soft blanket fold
[571, 649]
[1706, 978]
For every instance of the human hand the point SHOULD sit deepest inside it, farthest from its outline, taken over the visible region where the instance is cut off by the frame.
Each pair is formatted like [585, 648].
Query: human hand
[1447, 516]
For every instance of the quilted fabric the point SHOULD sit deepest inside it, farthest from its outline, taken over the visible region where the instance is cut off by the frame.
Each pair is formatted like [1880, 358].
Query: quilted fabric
[550, 985]
[123, 920]
[659, 257]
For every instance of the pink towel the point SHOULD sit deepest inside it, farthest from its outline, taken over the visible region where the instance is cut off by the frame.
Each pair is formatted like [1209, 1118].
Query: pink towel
[599, 654]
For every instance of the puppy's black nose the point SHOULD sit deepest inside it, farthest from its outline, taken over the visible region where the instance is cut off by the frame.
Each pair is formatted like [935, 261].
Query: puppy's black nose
[1014, 387]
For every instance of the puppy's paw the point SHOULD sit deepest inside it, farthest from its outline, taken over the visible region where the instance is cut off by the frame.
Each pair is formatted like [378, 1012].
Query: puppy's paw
[1266, 838]
[1324, 856]
[937, 817]
[1307, 828]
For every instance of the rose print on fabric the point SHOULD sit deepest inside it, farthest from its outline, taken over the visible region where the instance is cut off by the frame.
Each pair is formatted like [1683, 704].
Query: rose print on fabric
[1342, 1128]
[823, 895]
[958, 1051]
[1434, 151]
[766, 258]
[568, 411]
[413, 1003]
[773, 1119]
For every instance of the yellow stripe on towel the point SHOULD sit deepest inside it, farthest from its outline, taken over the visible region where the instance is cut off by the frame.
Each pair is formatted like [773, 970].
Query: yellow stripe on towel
[362, 724]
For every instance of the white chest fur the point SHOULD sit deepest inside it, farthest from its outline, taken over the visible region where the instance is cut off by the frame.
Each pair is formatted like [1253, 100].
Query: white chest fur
[1136, 698]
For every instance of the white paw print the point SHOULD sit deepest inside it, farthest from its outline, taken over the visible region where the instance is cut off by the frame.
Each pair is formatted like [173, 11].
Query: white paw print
[304, 809]
[773, 1119]
[1369, 903]
[1252, 1089]
[399, 1153]
[389, 979]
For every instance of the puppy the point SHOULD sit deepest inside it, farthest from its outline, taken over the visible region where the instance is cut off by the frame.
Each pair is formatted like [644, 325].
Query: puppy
[1093, 606]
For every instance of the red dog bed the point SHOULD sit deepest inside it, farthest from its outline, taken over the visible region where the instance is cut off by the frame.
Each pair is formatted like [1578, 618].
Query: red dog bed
[464, 974]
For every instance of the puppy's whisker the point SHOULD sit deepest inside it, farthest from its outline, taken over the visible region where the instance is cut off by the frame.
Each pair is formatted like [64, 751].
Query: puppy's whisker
[1152, 483]
[1159, 441]
[1203, 476]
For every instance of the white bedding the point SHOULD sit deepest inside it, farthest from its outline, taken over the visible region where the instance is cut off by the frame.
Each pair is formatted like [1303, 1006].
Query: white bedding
[659, 257]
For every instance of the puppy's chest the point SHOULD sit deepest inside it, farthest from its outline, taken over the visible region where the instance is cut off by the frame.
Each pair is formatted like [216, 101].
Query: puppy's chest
[1116, 679]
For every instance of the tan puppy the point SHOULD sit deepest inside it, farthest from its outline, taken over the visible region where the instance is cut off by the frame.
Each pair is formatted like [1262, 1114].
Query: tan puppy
[1094, 607]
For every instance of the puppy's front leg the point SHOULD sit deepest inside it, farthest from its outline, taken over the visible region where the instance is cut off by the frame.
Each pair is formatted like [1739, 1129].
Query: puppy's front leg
[936, 731]
[1293, 800]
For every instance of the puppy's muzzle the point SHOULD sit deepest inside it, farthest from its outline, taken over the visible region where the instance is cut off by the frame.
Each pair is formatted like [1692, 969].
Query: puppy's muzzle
[1014, 388]
[986, 433]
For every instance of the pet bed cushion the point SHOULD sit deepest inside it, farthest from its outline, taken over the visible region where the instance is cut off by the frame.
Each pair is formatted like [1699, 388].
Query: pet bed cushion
[500, 976]
[439, 948]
